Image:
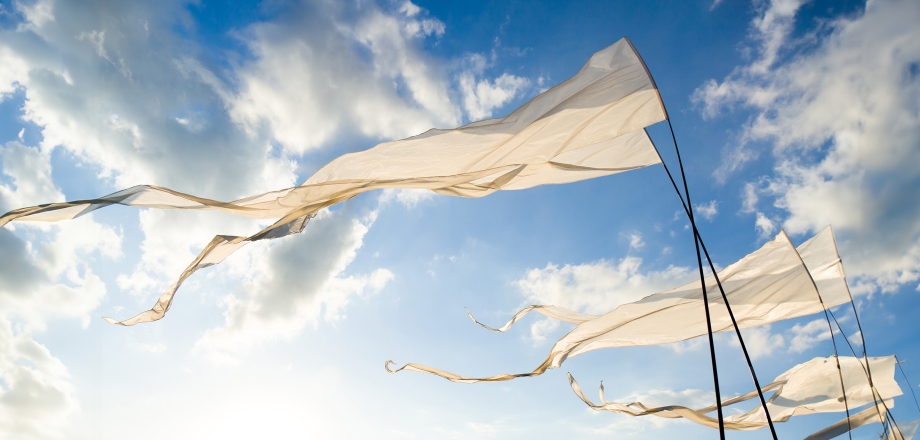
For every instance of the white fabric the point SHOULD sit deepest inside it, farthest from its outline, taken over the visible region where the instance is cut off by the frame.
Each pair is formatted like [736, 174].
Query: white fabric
[589, 126]
[808, 388]
[771, 284]
[904, 431]
[872, 414]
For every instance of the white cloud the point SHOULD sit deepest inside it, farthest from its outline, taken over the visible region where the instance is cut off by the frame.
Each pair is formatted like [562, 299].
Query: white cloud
[114, 99]
[597, 287]
[840, 113]
[420, 27]
[35, 394]
[293, 282]
[53, 280]
[481, 96]
[759, 341]
[808, 335]
[36, 13]
[764, 225]
[33, 263]
[635, 241]
[97, 38]
[540, 329]
[749, 198]
[689, 345]
[409, 8]
[409, 198]
[310, 80]
[12, 70]
[30, 172]
[708, 210]
[856, 338]
[772, 29]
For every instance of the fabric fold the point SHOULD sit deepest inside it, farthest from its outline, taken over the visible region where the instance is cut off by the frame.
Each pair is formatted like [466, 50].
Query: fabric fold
[774, 283]
[590, 125]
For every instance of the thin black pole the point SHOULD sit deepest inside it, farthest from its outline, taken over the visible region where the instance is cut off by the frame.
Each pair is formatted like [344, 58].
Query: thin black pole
[843, 387]
[898, 361]
[698, 243]
[699, 261]
[715, 274]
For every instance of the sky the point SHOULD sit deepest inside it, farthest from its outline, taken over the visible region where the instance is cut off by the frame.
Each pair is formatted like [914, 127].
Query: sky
[791, 115]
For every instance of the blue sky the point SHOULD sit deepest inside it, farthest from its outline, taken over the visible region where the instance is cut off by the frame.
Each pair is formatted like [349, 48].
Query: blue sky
[789, 114]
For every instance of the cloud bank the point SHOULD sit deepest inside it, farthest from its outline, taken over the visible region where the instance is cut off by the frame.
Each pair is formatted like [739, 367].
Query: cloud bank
[839, 111]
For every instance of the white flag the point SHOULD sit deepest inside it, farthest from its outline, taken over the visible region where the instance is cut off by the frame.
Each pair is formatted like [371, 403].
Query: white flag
[589, 126]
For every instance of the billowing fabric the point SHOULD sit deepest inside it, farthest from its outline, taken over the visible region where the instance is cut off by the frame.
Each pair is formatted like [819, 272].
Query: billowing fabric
[808, 388]
[589, 126]
[774, 283]
[904, 431]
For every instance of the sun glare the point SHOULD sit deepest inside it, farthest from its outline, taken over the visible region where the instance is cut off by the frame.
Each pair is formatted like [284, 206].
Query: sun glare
[260, 423]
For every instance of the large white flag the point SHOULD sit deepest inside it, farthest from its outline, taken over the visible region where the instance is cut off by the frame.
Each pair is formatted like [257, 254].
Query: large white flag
[589, 126]
[773, 283]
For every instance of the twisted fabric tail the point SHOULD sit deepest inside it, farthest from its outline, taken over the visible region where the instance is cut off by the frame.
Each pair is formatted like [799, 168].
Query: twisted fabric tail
[554, 312]
[220, 247]
[465, 379]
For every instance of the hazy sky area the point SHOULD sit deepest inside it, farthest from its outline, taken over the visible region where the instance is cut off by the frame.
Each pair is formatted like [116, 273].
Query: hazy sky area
[790, 115]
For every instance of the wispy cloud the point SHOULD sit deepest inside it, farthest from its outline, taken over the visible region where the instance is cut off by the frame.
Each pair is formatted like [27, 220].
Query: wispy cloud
[597, 287]
[808, 335]
[480, 95]
[709, 210]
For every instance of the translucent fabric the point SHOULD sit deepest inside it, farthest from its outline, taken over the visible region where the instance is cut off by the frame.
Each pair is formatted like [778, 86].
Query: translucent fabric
[589, 126]
[774, 283]
[808, 388]
[872, 414]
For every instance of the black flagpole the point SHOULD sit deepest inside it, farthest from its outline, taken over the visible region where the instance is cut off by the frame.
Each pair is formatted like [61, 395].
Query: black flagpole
[698, 243]
[699, 262]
